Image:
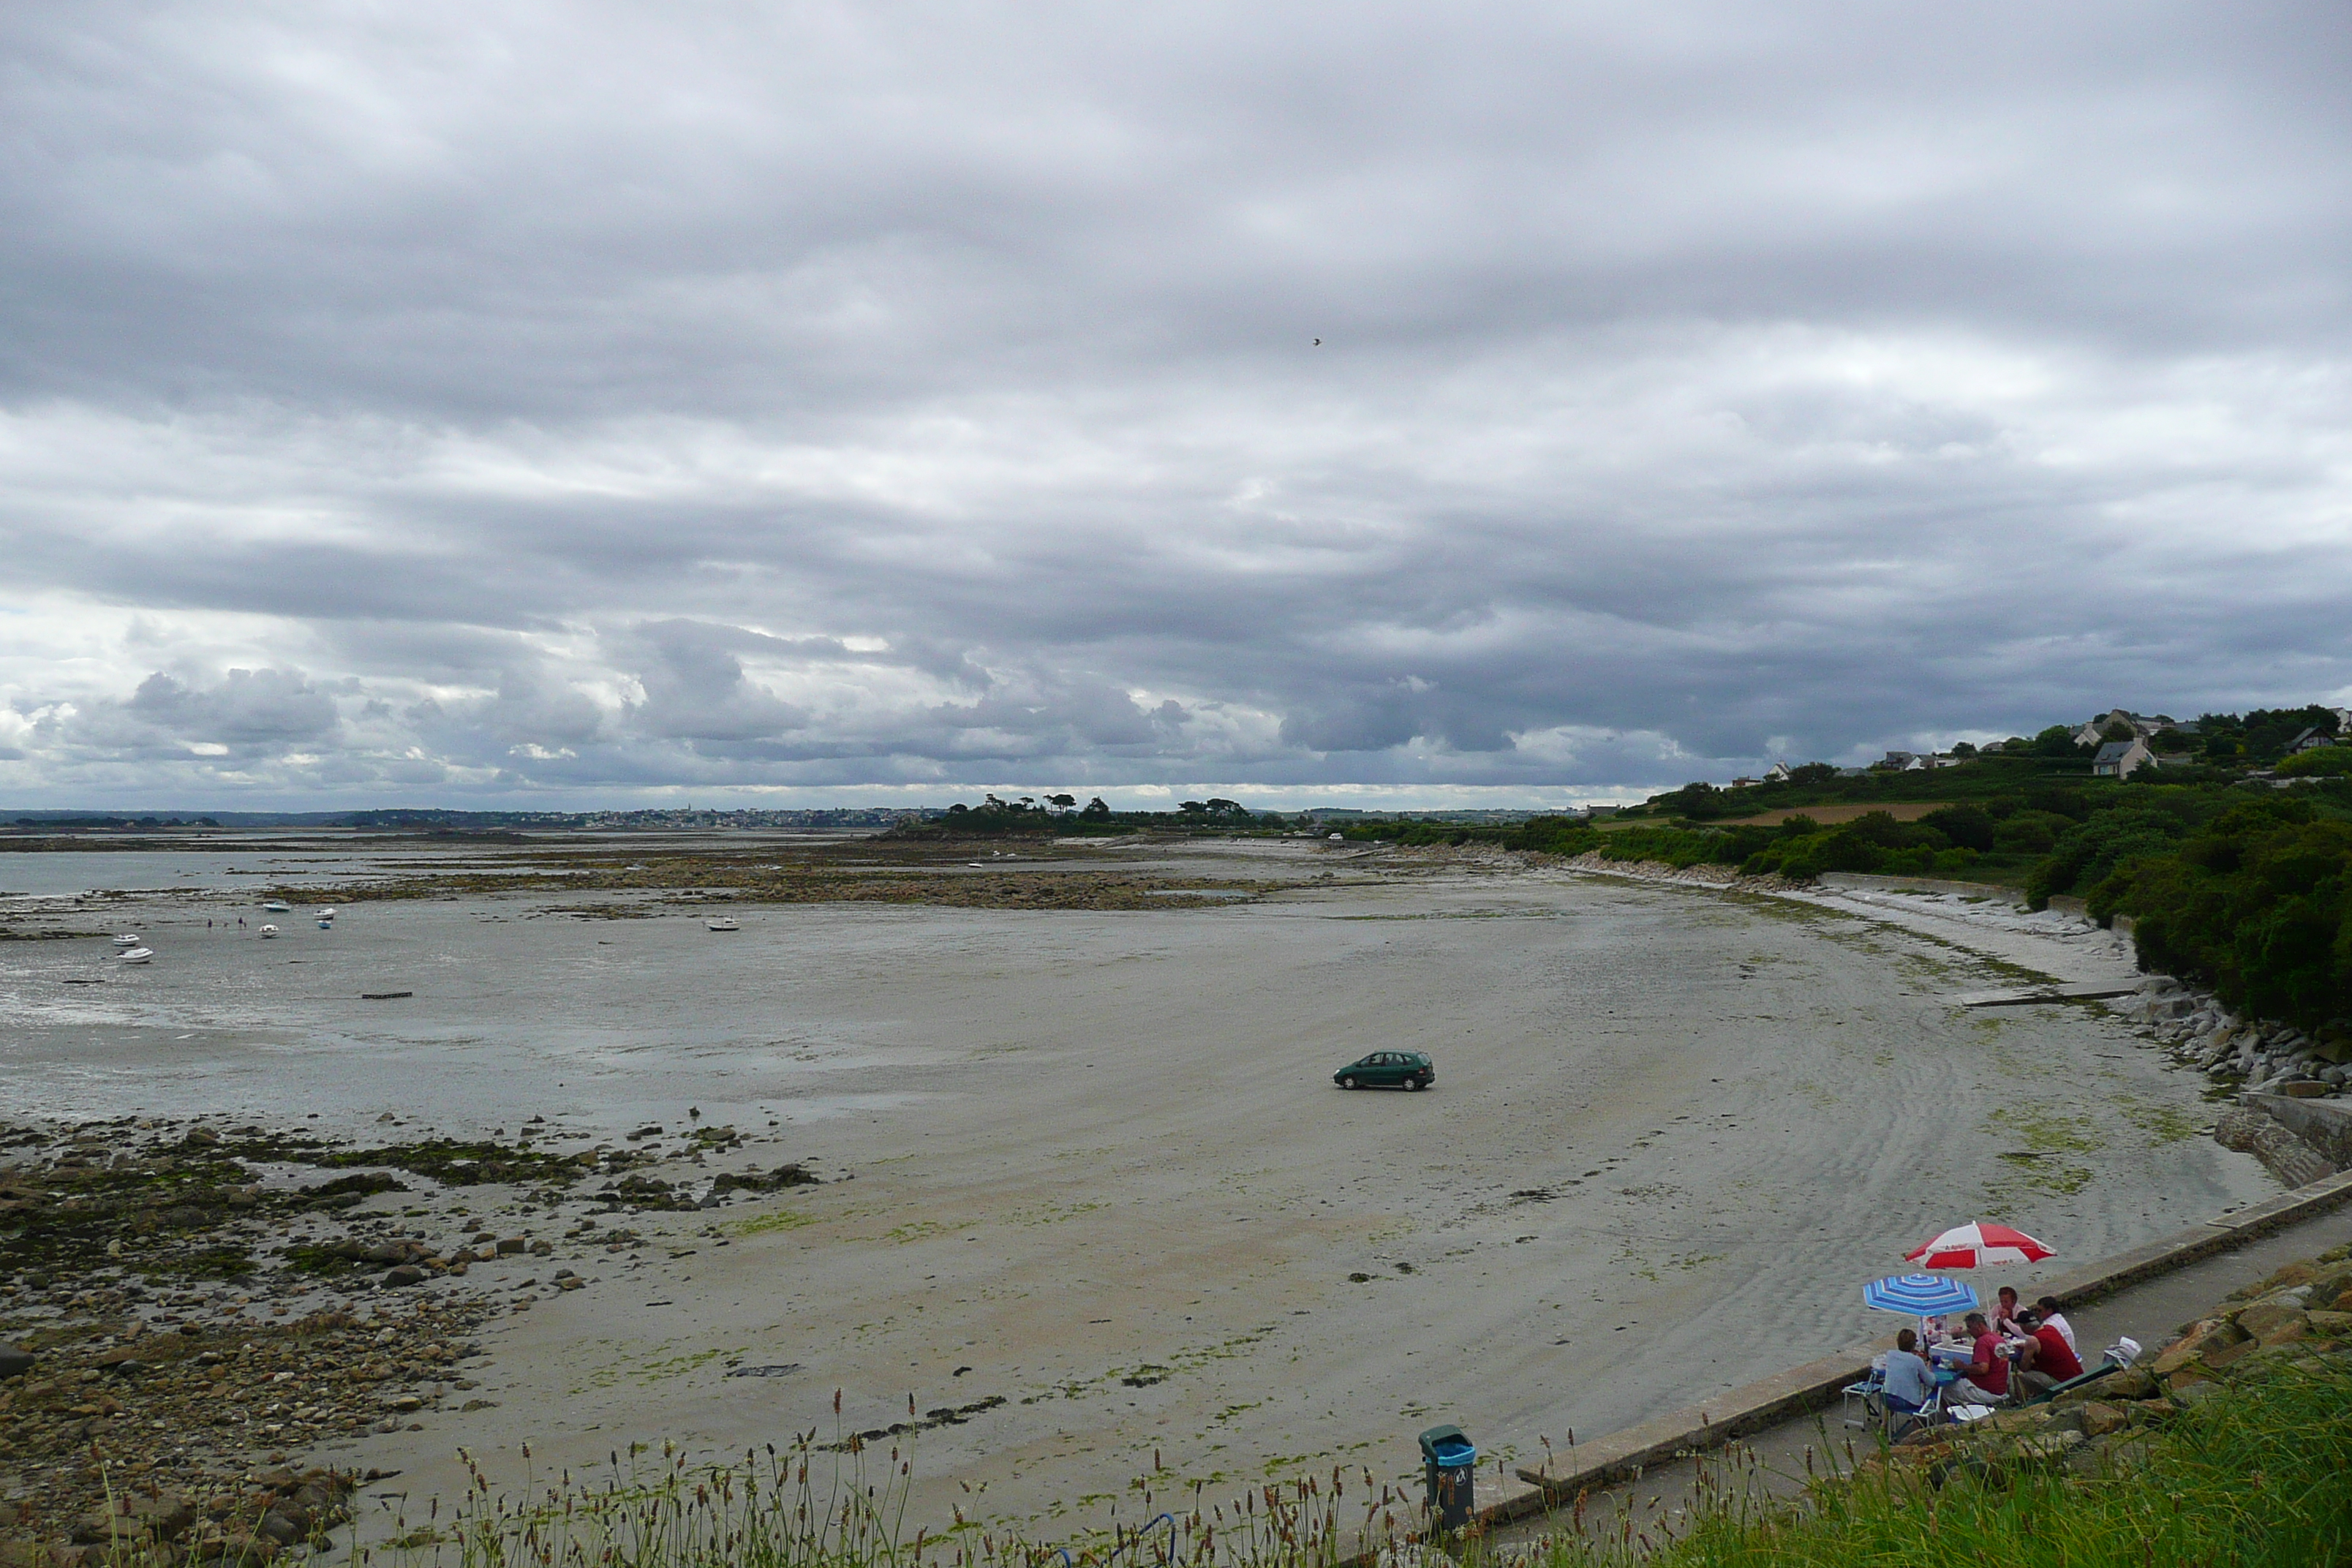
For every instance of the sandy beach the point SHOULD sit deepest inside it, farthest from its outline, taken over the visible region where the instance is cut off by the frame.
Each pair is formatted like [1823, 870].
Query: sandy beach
[1090, 1186]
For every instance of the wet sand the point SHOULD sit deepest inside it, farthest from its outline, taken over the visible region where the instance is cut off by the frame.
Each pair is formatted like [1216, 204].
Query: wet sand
[1098, 1169]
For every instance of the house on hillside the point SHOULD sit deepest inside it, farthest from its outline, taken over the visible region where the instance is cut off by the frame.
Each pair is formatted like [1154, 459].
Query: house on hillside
[2311, 740]
[2142, 725]
[2121, 759]
[1778, 773]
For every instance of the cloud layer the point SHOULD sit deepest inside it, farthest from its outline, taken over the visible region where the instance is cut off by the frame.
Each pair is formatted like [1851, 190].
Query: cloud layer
[559, 403]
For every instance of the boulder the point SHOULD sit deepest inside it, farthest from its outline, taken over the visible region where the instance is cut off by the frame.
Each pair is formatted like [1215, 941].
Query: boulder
[406, 1274]
[2228, 1355]
[2263, 1316]
[2099, 1418]
[15, 1362]
[2212, 1335]
[2330, 1325]
[510, 1245]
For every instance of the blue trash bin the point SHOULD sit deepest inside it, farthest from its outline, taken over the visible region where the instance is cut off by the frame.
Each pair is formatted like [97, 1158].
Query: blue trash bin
[1450, 1462]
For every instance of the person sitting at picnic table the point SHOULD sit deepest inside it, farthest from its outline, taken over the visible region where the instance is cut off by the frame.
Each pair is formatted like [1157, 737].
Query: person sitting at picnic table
[1985, 1380]
[2045, 1360]
[2004, 1315]
[1906, 1382]
[2047, 1311]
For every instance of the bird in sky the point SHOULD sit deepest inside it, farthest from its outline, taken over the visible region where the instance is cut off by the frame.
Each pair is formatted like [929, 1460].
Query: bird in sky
[1319, 343]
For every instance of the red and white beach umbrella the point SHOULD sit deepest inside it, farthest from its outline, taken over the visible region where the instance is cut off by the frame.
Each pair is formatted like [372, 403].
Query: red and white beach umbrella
[1978, 1245]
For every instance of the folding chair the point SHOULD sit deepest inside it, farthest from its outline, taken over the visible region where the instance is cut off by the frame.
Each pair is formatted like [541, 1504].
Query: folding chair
[1901, 1423]
[1861, 1399]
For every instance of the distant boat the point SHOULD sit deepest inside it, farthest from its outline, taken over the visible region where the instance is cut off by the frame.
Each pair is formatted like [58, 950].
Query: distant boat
[270, 930]
[278, 907]
[326, 923]
[721, 922]
[126, 939]
[134, 955]
[326, 914]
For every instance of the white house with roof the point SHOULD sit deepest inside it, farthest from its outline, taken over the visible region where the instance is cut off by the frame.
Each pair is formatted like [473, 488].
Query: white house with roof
[2140, 724]
[2121, 759]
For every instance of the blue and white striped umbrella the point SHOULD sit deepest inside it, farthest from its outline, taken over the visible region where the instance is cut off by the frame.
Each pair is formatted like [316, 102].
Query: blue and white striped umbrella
[1919, 1295]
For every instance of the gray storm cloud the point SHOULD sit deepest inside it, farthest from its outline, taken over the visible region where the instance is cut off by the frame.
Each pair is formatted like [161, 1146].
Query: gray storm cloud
[572, 402]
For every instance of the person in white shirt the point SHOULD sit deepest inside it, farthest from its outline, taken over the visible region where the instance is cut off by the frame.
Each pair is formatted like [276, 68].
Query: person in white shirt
[2053, 1318]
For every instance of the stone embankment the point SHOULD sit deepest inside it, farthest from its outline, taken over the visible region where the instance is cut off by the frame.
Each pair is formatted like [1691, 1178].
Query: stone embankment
[1704, 875]
[2301, 1315]
[2268, 1063]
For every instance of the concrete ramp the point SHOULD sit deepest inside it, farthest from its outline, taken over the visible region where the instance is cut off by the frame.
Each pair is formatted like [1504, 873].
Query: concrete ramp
[2084, 992]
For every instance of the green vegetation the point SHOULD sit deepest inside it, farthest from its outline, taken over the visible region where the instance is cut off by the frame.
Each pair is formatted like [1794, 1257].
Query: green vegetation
[2233, 857]
[1060, 817]
[2256, 902]
[2258, 1472]
[2260, 1476]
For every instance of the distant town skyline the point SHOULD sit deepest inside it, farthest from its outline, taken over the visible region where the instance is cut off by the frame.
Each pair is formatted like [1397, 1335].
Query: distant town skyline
[487, 405]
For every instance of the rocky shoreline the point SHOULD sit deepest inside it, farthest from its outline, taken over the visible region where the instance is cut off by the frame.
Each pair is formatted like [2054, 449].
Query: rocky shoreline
[193, 1321]
[2261, 1062]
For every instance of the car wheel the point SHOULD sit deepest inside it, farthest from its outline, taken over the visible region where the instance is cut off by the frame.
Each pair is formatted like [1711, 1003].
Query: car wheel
[1347, 1083]
[1412, 1083]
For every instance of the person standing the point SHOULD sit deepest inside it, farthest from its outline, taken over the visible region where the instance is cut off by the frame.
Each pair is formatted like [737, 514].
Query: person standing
[1985, 1380]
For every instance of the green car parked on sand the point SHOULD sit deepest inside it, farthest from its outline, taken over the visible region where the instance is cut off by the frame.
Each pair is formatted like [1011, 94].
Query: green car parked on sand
[1387, 1070]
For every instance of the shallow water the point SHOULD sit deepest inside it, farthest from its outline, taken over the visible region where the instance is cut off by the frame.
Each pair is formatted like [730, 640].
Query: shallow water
[596, 1023]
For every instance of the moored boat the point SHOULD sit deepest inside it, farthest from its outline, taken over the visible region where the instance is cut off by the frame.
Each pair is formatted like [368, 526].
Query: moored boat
[721, 922]
[134, 955]
[127, 940]
[270, 930]
[278, 907]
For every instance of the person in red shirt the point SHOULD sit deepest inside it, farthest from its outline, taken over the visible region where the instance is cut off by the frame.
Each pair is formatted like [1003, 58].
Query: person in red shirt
[1985, 1380]
[2045, 1360]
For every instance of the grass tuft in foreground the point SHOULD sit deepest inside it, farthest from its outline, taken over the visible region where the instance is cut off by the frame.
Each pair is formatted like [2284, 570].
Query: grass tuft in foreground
[2255, 1474]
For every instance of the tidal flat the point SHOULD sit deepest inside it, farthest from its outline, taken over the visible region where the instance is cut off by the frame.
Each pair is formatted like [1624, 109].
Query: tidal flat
[1089, 1201]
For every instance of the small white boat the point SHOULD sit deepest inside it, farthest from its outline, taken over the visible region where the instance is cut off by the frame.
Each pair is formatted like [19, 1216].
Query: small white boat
[326, 914]
[126, 939]
[721, 922]
[134, 955]
[278, 907]
[270, 930]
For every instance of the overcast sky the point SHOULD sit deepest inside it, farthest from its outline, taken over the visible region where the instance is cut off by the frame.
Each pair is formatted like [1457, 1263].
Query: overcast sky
[491, 402]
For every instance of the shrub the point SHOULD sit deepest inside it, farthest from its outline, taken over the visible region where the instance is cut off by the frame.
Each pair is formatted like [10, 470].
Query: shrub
[2327, 762]
[2258, 905]
[2086, 854]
